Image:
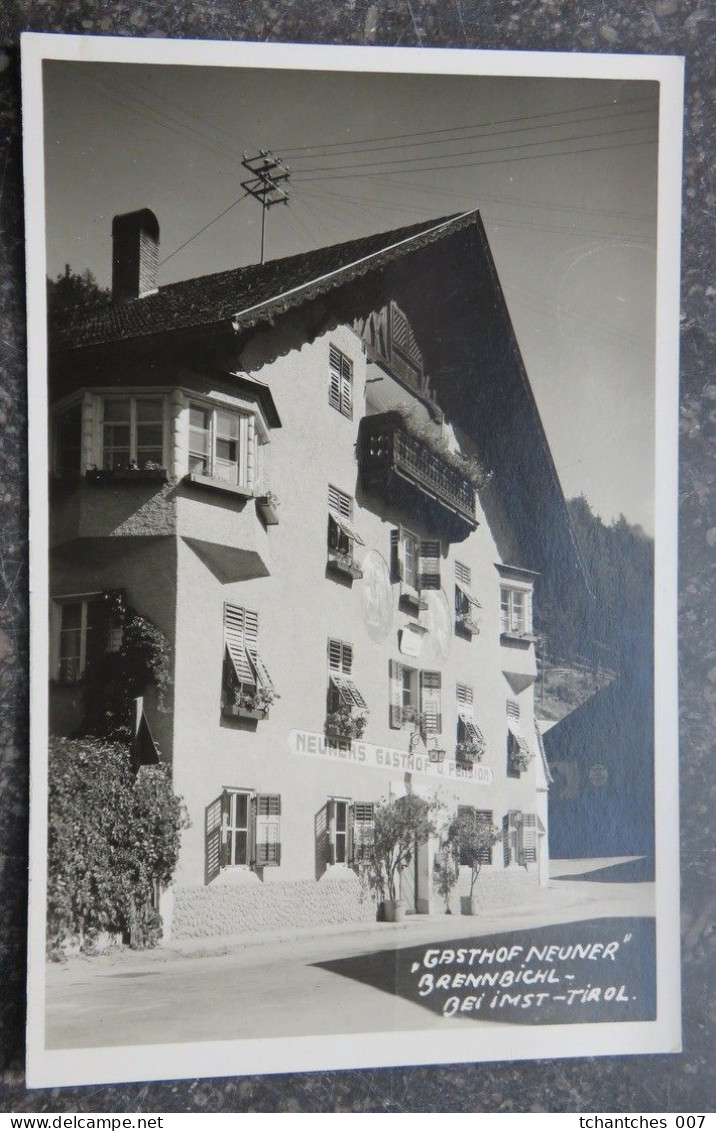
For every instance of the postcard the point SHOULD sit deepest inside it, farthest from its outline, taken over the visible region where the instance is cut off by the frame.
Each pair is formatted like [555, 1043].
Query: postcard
[353, 393]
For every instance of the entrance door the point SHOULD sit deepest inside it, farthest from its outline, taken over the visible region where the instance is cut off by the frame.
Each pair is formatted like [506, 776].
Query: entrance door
[409, 882]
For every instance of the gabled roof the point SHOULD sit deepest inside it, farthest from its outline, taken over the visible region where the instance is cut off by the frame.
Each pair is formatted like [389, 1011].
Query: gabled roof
[245, 295]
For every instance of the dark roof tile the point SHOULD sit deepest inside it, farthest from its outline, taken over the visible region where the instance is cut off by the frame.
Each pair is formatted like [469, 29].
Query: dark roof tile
[245, 294]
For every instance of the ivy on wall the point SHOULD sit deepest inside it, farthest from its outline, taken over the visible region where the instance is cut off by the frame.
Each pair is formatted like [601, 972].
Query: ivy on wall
[135, 655]
[113, 841]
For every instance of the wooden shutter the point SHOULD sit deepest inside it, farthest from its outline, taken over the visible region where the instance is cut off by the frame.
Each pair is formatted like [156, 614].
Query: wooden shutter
[348, 693]
[463, 575]
[340, 394]
[216, 816]
[483, 820]
[396, 694]
[363, 831]
[430, 704]
[340, 503]
[235, 637]
[506, 842]
[267, 829]
[529, 839]
[465, 813]
[464, 698]
[429, 570]
[512, 832]
[335, 655]
[258, 672]
[331, 822]
[334, 389]
[396, 555]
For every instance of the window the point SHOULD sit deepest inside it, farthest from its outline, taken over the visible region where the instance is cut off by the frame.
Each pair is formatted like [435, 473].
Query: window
[519, 754]
[470, 742]
[80, 637]
[340, 389]
[247, 685]
[242, 829]
[415, 698]
[342, 535]
[350, 831]
[132, 432]
[467, 606]
[520, 837]
[343, 692]
[515, 610]
[481, 819]
[237, 829]
[67, 440]
[223, 445]
[415, 563]
[338, 818]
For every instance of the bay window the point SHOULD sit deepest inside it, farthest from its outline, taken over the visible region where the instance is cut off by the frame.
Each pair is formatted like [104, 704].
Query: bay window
[222, 445]
[132, 432]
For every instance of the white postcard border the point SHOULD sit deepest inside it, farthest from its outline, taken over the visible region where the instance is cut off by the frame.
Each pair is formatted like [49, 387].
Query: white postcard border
[47, 1068]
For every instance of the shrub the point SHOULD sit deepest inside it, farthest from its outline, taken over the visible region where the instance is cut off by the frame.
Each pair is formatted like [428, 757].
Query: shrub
[113, 841]
[117, 676]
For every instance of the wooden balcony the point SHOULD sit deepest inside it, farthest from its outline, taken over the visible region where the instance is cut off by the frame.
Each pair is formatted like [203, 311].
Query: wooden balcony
[406, 471]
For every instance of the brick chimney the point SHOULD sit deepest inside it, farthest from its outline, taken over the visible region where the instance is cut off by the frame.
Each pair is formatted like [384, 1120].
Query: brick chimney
[135, 251]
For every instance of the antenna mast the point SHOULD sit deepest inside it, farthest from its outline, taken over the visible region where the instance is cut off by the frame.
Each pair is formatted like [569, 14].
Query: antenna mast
[264, 184]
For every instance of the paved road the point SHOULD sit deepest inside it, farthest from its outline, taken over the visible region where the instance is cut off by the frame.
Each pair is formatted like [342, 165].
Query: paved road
[279, 988]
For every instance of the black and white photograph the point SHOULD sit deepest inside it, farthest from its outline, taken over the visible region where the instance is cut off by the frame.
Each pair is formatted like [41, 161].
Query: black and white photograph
[353, 393]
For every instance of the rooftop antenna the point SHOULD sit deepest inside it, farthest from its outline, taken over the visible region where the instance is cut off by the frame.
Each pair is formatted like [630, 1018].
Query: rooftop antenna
[267, 175]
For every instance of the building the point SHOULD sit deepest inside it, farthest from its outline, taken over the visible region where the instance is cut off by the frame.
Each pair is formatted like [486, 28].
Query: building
[278, 466]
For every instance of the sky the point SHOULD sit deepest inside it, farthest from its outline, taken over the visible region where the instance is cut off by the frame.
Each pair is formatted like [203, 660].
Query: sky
[562, 170]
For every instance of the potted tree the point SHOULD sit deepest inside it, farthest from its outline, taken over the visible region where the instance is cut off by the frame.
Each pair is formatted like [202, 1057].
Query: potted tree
[446, 872]
[471, 842]
[400, 827]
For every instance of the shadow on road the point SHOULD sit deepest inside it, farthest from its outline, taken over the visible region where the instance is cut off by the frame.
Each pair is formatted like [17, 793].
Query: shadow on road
[595, 970]
[629, 872]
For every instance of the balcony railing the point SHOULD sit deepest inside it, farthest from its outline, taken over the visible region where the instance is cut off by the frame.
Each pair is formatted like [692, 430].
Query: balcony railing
[388, 453]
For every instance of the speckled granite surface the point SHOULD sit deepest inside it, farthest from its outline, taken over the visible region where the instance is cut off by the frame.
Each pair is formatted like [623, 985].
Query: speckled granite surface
[674, 1083]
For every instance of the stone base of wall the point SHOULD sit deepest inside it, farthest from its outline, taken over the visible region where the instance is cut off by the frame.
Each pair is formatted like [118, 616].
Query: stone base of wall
[222, 909]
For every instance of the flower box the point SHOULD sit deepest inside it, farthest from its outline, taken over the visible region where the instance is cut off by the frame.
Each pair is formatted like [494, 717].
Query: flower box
[233, 712]
[469, 752]
[468, 624]
[344, 563]
[518, 763]
[343, 726]
[267, 506]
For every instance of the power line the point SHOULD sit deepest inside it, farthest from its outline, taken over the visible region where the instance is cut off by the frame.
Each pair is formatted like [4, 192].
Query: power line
[403, 161]
[192, 135]
[472, 125]
[202, 230]
[511, 200]
[475, 164]
[483, 134]
[146, 117]
[498, 221]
